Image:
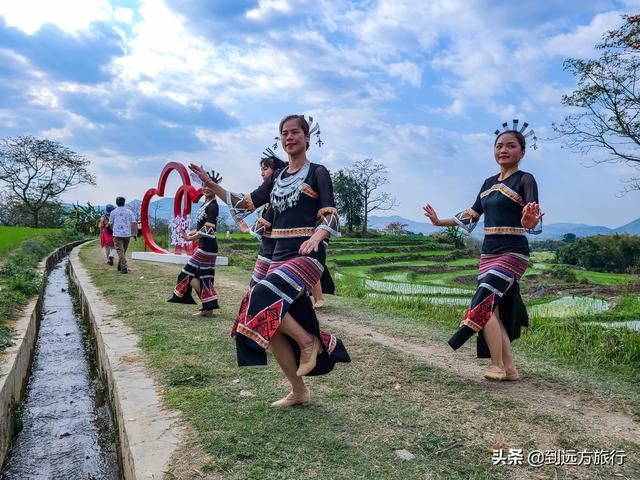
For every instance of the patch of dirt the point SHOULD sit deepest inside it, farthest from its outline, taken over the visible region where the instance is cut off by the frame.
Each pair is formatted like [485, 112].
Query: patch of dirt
[190, 460]
[537, 287]
[466, 279]
[436, 268]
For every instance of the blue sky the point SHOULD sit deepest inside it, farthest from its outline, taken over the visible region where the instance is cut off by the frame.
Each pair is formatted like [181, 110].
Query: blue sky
[418, 85]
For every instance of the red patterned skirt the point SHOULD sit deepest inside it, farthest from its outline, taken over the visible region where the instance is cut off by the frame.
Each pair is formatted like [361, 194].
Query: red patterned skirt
[266, 303]
[201, 265]
[498, 286]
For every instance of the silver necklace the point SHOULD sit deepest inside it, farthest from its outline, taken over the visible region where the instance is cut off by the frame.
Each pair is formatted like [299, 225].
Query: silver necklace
[286, 191]
[202, 211]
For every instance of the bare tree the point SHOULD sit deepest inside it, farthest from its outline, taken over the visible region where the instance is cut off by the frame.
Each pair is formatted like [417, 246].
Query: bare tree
[37, 171]
[369, 177]
[607, 101]
[396, 228]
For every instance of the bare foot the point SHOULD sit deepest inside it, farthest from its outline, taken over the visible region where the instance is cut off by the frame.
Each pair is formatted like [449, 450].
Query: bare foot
[495, 373]
[511, 375]
[203, 313]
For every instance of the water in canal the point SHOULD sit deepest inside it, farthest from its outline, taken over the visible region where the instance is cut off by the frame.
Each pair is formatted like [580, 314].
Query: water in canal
[66, 428]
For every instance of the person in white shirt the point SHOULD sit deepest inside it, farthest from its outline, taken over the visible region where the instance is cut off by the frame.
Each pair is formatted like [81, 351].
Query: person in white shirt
[124, 227]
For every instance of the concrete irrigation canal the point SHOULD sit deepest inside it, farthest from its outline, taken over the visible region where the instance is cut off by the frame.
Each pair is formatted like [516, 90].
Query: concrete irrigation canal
[65, 426]
[76, 399]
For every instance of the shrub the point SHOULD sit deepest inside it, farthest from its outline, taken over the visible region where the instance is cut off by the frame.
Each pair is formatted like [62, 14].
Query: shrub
[605, 253]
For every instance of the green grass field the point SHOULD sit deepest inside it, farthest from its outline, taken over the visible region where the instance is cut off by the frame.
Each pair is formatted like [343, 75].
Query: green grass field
[11, 237]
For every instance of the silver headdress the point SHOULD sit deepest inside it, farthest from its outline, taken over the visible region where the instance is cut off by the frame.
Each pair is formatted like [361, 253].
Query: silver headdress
[522, 130]
[314, 130]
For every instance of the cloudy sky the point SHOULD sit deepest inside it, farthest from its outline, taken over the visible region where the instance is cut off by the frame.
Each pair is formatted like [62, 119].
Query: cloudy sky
[419, 85]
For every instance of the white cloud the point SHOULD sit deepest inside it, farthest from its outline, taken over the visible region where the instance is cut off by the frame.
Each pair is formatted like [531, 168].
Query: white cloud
[69, 15]
[124, 15]
[267, 7]
[579, 42]
[409, 72]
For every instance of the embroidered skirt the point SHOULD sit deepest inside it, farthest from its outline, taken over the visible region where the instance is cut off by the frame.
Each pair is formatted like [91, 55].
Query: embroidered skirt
[266, 303]
[263, 261]
[498, 287]
[201, 265]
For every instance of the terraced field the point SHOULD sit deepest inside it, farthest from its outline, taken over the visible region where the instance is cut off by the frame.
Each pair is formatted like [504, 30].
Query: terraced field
[419, 269]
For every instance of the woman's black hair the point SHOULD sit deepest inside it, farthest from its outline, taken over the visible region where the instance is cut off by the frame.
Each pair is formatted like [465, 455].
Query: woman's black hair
[519, 136]
[271, 160]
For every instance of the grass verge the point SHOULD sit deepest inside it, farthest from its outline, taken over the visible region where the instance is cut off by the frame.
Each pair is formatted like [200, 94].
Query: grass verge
[19, 276]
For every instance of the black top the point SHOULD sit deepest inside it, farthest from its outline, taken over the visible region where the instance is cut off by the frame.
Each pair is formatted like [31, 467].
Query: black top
[301, 219]
[502, 203]
[294, 225]
[210, 215]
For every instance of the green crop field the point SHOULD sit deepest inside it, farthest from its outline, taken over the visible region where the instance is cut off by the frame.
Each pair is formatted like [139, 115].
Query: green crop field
[11, 237]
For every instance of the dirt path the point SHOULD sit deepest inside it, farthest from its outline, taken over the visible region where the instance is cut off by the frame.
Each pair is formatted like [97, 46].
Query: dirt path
[594, 413]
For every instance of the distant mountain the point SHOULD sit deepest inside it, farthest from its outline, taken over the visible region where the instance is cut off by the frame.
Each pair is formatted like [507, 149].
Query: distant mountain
[631, 227]
[380, 223]
[553, 231]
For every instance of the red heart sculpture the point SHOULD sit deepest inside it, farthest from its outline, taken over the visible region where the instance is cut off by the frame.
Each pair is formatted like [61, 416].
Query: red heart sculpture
[185, 192]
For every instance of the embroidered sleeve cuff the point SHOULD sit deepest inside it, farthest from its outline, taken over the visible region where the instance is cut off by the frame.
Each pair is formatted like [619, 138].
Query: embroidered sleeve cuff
[333, 232]
[328, 220]
[537, 230]
[467, 219]
[240, 205]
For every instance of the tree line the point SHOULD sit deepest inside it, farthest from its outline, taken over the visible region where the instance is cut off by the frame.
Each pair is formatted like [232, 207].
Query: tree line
[606, 253]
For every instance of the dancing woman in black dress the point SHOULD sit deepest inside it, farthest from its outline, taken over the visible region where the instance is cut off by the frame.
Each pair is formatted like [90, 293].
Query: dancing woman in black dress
[509, 202]
[276, 313]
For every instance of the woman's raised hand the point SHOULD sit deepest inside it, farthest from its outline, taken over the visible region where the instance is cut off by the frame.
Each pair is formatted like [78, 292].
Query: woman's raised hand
[201, 172]
[431, 214]
[531, 215]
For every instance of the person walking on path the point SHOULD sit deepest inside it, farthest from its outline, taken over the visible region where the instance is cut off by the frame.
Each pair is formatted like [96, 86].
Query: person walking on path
[509, 202]
[106, 234]
[124, 226]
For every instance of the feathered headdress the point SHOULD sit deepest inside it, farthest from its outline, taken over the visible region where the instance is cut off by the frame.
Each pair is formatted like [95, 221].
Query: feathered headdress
[522, 130]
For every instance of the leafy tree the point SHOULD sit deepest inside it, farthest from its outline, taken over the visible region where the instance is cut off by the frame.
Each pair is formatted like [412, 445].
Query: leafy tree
[454, 236]
[348, 200]
[369, 177]
[38, 171]
[607, 253]
[83, 218]
[606, 101]
[569, 237]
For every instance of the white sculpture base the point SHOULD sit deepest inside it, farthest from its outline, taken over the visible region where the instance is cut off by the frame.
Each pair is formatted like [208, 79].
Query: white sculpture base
[172, 258]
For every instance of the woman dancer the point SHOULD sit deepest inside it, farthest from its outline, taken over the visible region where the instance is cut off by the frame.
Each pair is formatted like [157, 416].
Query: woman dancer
[199, 272]
[106, 234]
[277, 313]
[509, 201]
